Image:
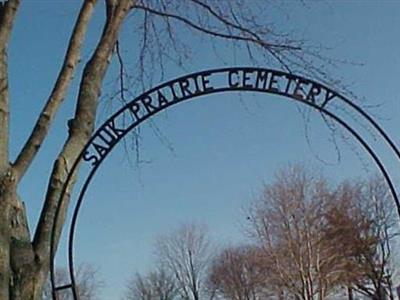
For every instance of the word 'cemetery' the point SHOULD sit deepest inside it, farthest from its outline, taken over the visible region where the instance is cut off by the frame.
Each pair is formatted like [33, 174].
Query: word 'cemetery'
[198, 84]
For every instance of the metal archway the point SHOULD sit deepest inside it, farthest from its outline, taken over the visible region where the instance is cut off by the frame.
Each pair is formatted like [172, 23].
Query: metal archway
[244, 79]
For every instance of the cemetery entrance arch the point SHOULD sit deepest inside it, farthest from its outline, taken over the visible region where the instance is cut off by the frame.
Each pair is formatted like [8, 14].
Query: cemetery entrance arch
[194, 86]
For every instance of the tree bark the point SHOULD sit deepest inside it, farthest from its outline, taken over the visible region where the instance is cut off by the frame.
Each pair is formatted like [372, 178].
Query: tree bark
[7, 15]
[12, 216]
[44, 121]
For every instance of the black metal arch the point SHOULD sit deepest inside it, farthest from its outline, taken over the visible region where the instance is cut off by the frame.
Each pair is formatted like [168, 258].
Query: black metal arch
[246, 79]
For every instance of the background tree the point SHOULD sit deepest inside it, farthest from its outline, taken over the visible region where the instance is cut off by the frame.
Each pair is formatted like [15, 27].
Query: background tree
[87, 279]
[157, 285]
[24, 257]
[363, 226]
[186, 253]
[288, 223]
[348, 232]
[380, 262]
[238, 273]
[319, 237]
[311, 240]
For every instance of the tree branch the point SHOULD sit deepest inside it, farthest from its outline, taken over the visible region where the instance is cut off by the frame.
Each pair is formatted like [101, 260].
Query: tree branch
[81, 128]
[8, 11]
[44, 121]
[246, 38]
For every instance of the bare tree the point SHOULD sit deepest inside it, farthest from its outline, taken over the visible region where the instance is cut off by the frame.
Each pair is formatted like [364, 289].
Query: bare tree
[25, 257]
[87, 280]
[319, 238]
[288, 223]
[157, 285]
[366, 208]
[239, 273]
[186, 253]
[349, 232]
[139, 289]
[361, 227]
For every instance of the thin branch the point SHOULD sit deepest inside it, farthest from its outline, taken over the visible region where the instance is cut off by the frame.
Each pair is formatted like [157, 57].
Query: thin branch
[121, 72]
[44, 121]
[245, 35]
[216, 33]
[255, 37]
[225, 21]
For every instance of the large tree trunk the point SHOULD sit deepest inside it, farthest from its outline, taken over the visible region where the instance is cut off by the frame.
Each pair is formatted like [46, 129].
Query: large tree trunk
[18, 266]
[10, 208]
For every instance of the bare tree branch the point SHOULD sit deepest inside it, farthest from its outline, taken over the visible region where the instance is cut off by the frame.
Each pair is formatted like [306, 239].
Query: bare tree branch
[87, 279]
[186, 253]
[193, 25]
[8, 11]
[81, 127]
[44, 121]
[157, 284]
[239, 273]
